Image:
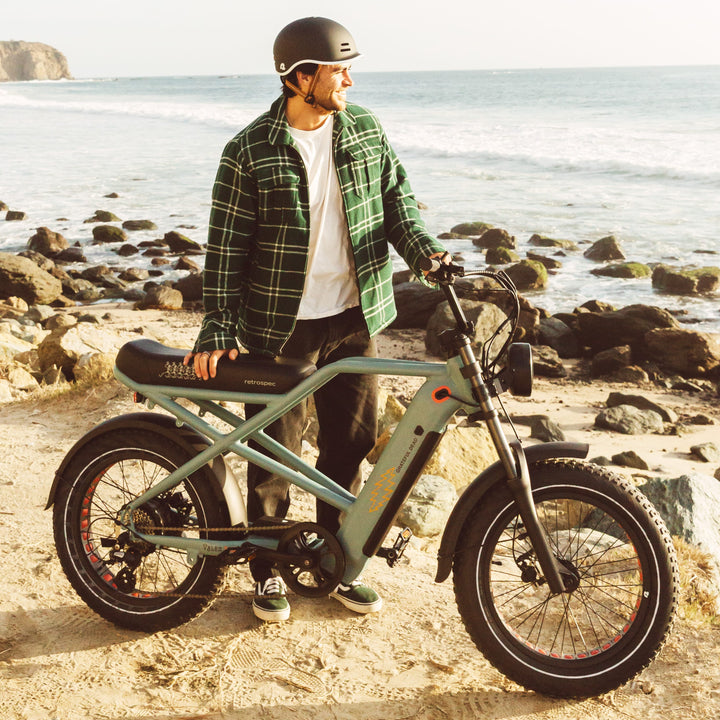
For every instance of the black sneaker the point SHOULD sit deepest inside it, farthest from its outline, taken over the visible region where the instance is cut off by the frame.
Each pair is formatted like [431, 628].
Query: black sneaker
[270, 603]
[357, 597]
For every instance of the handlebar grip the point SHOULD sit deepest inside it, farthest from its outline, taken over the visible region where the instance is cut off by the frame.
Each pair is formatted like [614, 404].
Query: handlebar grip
[435, 265]
[430, 264]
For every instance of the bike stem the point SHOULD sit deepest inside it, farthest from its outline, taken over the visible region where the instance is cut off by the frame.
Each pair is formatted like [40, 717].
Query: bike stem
[511, 455]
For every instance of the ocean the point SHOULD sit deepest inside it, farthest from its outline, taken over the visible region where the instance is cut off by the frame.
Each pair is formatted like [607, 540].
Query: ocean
[576, 154]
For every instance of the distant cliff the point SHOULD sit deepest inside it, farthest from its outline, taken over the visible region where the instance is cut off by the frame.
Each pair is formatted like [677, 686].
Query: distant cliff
[31, 61]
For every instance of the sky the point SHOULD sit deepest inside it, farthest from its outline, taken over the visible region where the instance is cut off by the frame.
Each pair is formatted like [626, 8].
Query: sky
[229, 37]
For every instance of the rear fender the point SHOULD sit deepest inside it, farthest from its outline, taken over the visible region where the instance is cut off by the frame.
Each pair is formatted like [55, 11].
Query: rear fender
[474, 493]
[166, 426]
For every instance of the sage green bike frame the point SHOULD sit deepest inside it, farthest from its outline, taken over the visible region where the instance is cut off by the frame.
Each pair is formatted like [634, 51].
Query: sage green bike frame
[369, 516]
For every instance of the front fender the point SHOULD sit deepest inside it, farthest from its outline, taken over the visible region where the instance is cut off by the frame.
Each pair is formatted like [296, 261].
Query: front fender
[474, 493]
[152, 422]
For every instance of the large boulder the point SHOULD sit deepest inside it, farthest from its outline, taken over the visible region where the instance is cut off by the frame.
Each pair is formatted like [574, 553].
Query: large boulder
[46, 242]
[21, 60]
[462, 455]
[65, 346]
[179, 243]
[486, 317]
[607, 248]
[161, 297]
[685, 281]
[627, 326]
[629, 420]
[687, 352]
[20, 276]
[528, 275]
[429, 505]
[495, 238]
[690, 507]
[415, 304]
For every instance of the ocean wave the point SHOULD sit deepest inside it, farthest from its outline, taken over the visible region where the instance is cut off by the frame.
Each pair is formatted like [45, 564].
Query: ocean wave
[207, 114]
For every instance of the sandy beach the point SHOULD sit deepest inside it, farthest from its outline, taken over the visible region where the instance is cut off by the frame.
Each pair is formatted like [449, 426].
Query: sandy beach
[58, 660]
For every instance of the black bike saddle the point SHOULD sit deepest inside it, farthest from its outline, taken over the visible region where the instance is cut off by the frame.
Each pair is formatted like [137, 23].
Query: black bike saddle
[149, 362]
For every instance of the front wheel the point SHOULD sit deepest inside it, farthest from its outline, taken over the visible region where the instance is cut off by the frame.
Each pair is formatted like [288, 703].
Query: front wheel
[130, 582]
[618, 611]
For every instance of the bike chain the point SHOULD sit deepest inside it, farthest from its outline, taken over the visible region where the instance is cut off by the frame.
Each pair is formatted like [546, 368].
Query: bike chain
[229, 594]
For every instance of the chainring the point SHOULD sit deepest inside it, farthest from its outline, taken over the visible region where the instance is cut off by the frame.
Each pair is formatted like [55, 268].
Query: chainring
[321, 560]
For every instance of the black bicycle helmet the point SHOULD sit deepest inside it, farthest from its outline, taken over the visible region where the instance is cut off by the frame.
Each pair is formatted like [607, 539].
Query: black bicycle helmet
[312, 40]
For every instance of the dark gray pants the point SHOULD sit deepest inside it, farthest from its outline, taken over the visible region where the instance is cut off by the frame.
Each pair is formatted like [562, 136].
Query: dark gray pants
[347, 419]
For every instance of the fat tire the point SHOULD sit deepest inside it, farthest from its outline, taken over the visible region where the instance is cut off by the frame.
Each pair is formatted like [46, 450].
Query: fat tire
[86, 563]
[508, 628]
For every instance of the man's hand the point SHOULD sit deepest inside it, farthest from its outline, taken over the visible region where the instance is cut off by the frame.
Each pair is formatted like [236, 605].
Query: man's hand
[205, 363]
[444, 257]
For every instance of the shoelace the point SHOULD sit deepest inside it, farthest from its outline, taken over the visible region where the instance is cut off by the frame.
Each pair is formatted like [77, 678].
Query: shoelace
[273, 586]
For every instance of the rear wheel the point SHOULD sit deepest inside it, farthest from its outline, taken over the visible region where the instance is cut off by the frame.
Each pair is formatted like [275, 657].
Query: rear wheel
[132, 583]
[619, 609]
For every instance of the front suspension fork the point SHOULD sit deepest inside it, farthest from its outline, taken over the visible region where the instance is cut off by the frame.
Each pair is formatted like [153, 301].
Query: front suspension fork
[558, 578]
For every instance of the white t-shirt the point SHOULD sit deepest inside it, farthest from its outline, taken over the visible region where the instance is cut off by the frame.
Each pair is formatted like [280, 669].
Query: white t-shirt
[330, 281]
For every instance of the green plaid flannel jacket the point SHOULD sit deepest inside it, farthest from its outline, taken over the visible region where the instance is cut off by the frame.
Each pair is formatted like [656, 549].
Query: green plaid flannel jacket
[259, 229]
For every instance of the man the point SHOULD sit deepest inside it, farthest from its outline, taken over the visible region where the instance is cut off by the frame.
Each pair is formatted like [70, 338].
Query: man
[305, 201]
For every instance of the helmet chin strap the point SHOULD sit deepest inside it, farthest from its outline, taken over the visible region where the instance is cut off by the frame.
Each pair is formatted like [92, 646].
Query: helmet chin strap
[309, 96]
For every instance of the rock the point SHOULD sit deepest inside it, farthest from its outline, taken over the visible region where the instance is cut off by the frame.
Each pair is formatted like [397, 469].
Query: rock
[185, 263]
[542, 241]
[528, 275]
[133, 225]
[6, 395]
[549, 263]
[46, 242]
[627, 326]
[643, 403]
[462, 455]
[21, 60]
[94, 367]
[495, 238]
[65, 346]
[162, 298]
[468, 229]
[43, 262]
[689, 506]
[623, 270]
[486, 316]
[179, 243]
[127, 249]
[707, 452]
[501, 256]
[133, 274]
[685, 281]
[15, 215]
[20, 379]
[610, 361]
[630, 459]
[630, 420]
[103, 216]
[12, 345]
[95, 273]
[108, 234]
[22, 277]
[71, 255]
[557, 335]
[546, 430]
[546, 362]
[606, 248]
[688, 352]
[191, 287]
[428, 507]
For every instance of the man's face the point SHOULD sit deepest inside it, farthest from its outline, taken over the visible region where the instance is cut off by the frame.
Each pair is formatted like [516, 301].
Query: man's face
[331, 85]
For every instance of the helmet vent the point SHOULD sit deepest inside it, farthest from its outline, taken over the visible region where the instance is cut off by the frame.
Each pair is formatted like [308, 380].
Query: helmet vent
[345, 47]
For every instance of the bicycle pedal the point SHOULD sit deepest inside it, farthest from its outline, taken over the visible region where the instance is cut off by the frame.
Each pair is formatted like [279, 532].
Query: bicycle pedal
[394, 554]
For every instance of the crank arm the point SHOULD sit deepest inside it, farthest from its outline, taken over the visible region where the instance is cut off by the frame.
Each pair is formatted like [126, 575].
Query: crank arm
[522, 492]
